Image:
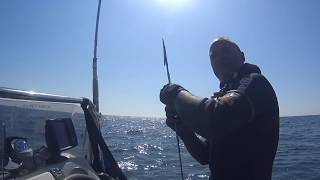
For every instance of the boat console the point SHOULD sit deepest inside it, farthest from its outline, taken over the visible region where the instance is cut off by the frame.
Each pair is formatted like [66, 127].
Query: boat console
[20, 161]
[45, 136]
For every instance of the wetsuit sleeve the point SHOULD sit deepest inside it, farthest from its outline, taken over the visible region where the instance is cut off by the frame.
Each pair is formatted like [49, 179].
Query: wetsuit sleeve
[214, 118]
[198, 148]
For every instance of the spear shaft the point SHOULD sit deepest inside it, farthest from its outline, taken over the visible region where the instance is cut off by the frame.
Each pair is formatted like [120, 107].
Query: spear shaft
[169, 81]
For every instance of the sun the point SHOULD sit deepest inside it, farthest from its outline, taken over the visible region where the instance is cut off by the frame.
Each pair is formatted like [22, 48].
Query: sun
[175, 4]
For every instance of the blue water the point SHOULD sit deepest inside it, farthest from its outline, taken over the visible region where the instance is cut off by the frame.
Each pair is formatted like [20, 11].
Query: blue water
[146, 149]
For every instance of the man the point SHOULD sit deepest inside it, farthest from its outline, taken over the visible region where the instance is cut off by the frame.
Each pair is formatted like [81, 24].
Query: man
[239, 124]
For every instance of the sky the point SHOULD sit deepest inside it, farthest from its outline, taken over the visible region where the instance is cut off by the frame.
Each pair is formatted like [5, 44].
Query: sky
[47, 46]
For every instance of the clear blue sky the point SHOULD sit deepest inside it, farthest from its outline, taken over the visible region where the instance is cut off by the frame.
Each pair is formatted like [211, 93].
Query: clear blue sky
[47, 46]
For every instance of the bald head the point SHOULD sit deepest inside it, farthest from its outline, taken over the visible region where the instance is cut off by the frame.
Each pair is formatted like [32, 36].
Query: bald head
[226, 58]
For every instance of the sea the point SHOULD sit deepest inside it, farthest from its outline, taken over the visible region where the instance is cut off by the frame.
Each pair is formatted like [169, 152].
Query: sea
[146, 149]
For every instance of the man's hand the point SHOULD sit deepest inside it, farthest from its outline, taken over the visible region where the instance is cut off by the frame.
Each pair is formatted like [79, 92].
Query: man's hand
[169, 92]
[173, 121]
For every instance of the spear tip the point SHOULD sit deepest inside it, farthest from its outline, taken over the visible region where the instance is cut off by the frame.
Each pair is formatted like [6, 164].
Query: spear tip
[164, 53]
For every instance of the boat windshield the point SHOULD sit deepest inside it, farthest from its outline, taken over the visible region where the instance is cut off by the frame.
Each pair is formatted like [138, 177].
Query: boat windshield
[27, 119]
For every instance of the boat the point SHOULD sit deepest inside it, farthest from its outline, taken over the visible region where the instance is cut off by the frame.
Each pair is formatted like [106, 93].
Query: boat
[45, 136]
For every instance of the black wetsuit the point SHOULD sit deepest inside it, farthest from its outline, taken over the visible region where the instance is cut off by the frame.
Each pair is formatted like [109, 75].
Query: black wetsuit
[240, 125]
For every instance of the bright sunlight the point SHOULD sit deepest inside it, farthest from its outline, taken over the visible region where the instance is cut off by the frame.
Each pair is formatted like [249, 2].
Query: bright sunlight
[175, 4]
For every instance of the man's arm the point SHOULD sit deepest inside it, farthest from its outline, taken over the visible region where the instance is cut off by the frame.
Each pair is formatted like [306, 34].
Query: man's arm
[198, 148]
[214, 118]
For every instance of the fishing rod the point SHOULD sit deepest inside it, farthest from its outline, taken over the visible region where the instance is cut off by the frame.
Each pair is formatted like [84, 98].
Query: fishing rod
[175, 124]
[3, 126]
[95, 87]
[107, 162]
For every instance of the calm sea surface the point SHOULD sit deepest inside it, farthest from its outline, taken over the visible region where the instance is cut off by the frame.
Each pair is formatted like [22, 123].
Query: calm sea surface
[146, 149]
